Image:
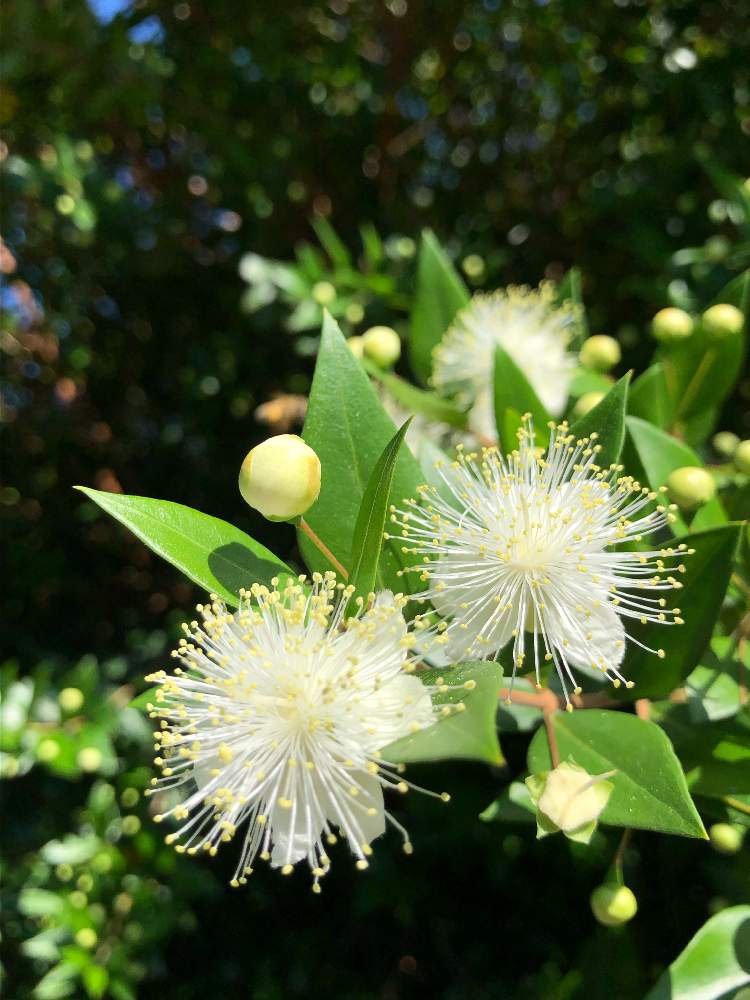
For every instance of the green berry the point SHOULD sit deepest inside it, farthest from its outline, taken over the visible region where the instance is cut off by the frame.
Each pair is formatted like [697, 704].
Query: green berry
[722, 321]
[600, 353]
[725, 838]
[671, 325]
[691, 487]
[613, 905]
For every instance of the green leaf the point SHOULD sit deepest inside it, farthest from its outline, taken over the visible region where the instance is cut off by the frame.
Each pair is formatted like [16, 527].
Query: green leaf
[430, 458]
[332, 243]
[210, 552]
[368, 531]
[704, 583]
[656, 454]
[513, 805]
[513, 392]
[713, 687]
[649, 398]
[427, 404]
[571, 287]
[650, 792]
[607, 419]
[439, 295]
[466, 735]
[714, 964]
[348, 428]
[40, 902]
[715, 756]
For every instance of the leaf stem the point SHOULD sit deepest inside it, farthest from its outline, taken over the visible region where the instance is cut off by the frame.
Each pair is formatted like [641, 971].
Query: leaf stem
[735, 804]
[321, 546]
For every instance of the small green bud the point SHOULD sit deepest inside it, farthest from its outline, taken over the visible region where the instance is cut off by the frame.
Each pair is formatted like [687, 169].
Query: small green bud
[356, 346]
[670, 325]
[725, 838]
[355, 313]
[600, 353]
[280, 477]
[324, 293]
[691, 487]
[722, 321]
[86, 937]
[382, 345]
[725, 443]
[587, 402]
[70, 699]
[89, 759]
[742, 456]
[613, 905]
[473, 265]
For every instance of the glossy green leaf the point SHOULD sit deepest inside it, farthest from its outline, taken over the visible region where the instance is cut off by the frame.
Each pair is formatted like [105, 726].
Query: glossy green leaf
[513, 805]
[649, 398]
[714, 964]
[715, 756]
[415, 400]
[466, 735]
[368, 539]
[714, 688]
[607, 420]
[657, 454]
[584, 381]
[707, 572]
[650, 792]
[212, 553]
[348, 428]
[439, 295]
[512, 391]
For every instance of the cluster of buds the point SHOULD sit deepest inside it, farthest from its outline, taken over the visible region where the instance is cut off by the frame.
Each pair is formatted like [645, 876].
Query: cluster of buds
[718, 322]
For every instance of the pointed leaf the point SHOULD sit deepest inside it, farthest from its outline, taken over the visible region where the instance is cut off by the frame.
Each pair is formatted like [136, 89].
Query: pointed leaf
[513, 392]
[607, 419]
[428, 404]
[649, 789]
[439, 295]
[571, 288]
[649, 398]
[210, 552]
[466, 735]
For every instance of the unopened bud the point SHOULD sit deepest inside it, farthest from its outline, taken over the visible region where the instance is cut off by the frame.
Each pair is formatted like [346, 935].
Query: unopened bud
[670, 325]
[570, 799]
[70, 699]
[725, 838]
[613, 905]
[691, 487]
[587, 402]
[86, 937]
[356, 346]
[741, 457]
[600, 353]
[725, 442]
[382, 345]
[280, 477]
[722, 321]
[324, 293]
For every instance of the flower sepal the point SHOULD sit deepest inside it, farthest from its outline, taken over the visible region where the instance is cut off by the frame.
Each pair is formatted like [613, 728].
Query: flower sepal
[569, 800]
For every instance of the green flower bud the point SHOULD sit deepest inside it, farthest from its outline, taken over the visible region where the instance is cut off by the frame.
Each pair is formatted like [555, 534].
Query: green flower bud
[691, 487]
[86, 937]
[89, 759]
[356, 346]
[382, 345]
[725, 443]
[587, 402]
[70, 699]
[569, 799]
[742, 456]
[670, 325]
[722, 321]
[613, 905]
[324, 293]
[725, 838]
[473, 265]
[600, 353]
[280, 477]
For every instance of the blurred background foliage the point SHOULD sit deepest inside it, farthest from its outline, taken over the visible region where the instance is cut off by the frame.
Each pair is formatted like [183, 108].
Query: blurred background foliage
[157, 158]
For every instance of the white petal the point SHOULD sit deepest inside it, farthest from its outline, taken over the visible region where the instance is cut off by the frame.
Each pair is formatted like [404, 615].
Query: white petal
[599, 639]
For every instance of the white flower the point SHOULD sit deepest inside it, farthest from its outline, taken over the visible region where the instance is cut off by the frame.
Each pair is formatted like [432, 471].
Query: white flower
[530, 326]
[275, 720]
[528, 551]
[570, 799]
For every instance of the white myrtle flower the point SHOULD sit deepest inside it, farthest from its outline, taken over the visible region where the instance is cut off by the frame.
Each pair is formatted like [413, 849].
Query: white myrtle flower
[526, 322]
[275, 719]
[529, 551]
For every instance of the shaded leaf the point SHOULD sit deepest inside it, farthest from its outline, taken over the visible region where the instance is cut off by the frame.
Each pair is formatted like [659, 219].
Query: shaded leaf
[512, 391]
[607, 420]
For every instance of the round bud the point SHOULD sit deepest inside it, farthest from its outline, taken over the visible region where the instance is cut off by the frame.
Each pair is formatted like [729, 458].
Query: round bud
[587, 402]
[613, 905]
[725, 443]
[670, 325]
[89, 759]
[323, 292]
[86, 937]
[691, 487]
[571, 797]
[742, 456]
[70, 699]
[600, 353]
[382, 345]
[356, 346]
[280, 477]
[725, 838]
[722, 321]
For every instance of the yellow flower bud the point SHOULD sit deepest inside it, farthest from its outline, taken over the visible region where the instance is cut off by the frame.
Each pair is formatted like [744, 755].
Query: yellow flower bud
[600, 353]
[356, 346]
[324, 293]
[613, 904]
[725, 838]
[281, 477]
[722, 321]
[587, 402]
[691, 487]
[742, 457]
[725, 442]
[70, 699]
[382, 345]
[671, 324]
